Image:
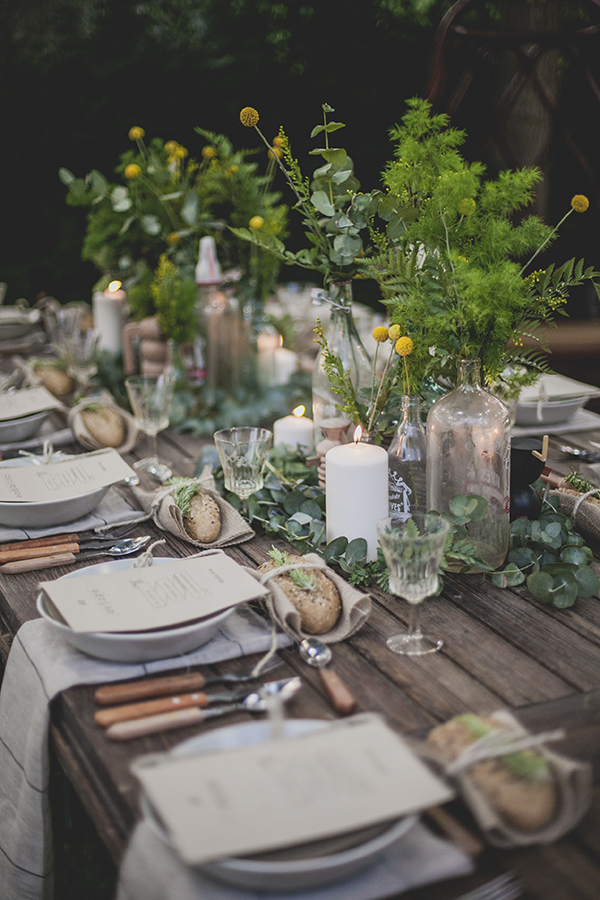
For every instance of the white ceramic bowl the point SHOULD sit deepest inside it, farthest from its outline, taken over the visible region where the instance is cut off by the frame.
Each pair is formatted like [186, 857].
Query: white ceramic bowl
[139, 646]
[552, 412]
[13, 431]
[16, 323]
[310, 866]
[48, 512]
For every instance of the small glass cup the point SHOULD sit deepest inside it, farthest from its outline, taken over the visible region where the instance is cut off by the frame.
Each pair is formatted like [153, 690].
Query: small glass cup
[150, 397]
[80, 350]
[243, 454]
[413, 550]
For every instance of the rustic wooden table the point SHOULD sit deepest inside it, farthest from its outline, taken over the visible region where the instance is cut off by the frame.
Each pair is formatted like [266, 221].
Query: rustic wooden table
[501, 649]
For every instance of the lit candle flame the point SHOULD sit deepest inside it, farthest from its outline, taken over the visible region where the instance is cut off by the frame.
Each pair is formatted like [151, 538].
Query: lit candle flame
[299, 411]
[357, 434]
[114, 285]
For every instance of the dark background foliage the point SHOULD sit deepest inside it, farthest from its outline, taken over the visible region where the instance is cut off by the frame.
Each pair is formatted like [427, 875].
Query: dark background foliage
[75, 75]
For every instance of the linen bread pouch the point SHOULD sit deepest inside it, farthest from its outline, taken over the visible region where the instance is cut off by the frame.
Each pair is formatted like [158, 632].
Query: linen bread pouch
[582, 507]
[520, 792]
[98, 422]
[192, 510]
[309, 599]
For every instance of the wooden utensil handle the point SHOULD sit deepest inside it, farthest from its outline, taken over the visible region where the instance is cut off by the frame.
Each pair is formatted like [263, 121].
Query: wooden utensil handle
[106, 717]
[125, 731]
[37, 552]
[343, 701]
[42, 542]
[31, 565]
[149, 687]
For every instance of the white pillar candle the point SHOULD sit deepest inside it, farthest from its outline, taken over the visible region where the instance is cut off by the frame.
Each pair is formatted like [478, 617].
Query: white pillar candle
[356, 492]
[295, 430]
[108, 307]
[286, 363]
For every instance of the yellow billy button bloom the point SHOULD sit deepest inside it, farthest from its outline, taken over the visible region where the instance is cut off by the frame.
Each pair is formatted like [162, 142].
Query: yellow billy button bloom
[136, 133]
[249, 117]
[180, 152]
[580, 203]
[275, 152]
[209, 152]
[380, 334]
[404, 346]
[173, 239]
[277, 141]
[394, 332]
[132, 171]
[170, 146]
[466, 206]
[256, 222]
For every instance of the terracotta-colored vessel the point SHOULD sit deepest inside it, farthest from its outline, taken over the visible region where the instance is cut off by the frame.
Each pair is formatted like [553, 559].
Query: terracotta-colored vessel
[145, 340]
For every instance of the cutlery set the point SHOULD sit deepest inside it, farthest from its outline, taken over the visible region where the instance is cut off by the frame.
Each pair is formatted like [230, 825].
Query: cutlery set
[61, 550]
[164, 713]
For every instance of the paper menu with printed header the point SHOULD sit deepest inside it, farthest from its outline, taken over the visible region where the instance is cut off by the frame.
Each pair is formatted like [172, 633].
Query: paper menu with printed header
[18, 404]
[349, 775]
[64, 479]
[152, 596]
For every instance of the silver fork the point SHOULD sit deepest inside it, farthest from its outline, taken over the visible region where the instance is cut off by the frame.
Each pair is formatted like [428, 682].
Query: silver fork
[504, 887]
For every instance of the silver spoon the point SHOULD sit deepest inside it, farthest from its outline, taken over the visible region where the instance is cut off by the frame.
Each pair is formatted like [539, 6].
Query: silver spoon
[580, 453]
[316, 653]
[125, 547]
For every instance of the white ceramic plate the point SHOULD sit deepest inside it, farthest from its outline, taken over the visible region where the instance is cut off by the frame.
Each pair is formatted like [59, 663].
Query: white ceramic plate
[139, 646]
[548, 412]
[48, 512]
[16, 322]
[296, 868]
[13, 431]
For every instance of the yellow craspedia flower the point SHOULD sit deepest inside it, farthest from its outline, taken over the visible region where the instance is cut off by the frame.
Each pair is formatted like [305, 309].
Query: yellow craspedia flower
[580, 203]
[180, 152]
[380, 334]
[256, 222]
[136, 133]
[234, 169]
[275, 152]
[132, 171]
[394, 332]
[173, 239]
[466, 206]
[249, 117]
[404, 346]
[209, 152]
[277, 141]
[170, 146]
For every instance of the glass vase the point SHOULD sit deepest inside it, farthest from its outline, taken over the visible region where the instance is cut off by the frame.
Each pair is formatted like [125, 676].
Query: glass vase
[227, 342]
[344, 342]
[468, 452]
[407, 458]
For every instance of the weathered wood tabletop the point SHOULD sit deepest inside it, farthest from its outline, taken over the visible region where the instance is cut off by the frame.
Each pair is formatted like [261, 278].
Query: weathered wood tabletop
[501, 649]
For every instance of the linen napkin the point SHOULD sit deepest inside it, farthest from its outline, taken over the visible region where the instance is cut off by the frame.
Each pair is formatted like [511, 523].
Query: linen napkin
[152, 871]
[572, 779]
[86, 439]
[167, 515]
[356, 605]
[40, 665]
[114, 509]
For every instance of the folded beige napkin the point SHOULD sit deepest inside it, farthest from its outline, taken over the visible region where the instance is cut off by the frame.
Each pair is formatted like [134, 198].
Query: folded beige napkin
[581, 508]
[86, 439]
[356, 605]
[572, 779]
[167, 515]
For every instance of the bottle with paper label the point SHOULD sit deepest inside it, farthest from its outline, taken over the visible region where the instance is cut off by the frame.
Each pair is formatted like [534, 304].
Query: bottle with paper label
[407, 462]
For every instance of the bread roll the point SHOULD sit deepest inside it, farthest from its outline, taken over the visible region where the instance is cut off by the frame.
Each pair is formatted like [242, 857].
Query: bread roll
[320, 607]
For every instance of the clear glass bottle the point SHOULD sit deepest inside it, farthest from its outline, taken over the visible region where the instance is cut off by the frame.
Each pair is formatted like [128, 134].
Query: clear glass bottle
[344, 342]
[407, 457]
[468, 452]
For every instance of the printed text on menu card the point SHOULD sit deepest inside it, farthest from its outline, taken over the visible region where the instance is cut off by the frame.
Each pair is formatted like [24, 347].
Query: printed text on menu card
[284, 792]
[152, 596]
[17, 404]
[62, 480]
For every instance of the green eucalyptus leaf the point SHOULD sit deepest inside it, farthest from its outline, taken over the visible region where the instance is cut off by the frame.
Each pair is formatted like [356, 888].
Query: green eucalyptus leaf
[564, 590]
[99, 183]
[540, 584]
[293, 501]
[151, 225]
[333, 126]
[356, 551]
[387, 208]
[341, 177]
[323, 171]
[574, 555]
[336, 155]
[312, 509]
[588, 583]
[347, 245]
[322, 204]
[66, 176]
[395, 228]
[190, 208]
[335, 549]
[301, 517]
[510, 576]
[469, 506]
[575, 540]
[317, 130]
[524, 558]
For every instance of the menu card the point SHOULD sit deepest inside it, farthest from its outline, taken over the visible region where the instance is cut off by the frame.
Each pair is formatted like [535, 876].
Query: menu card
[18, 404]
[64, 479]
[153, 596]
[285, 792]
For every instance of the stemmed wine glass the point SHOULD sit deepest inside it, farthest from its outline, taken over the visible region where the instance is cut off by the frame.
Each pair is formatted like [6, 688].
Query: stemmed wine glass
[413, 550]
[80, 351]
[150, 397]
